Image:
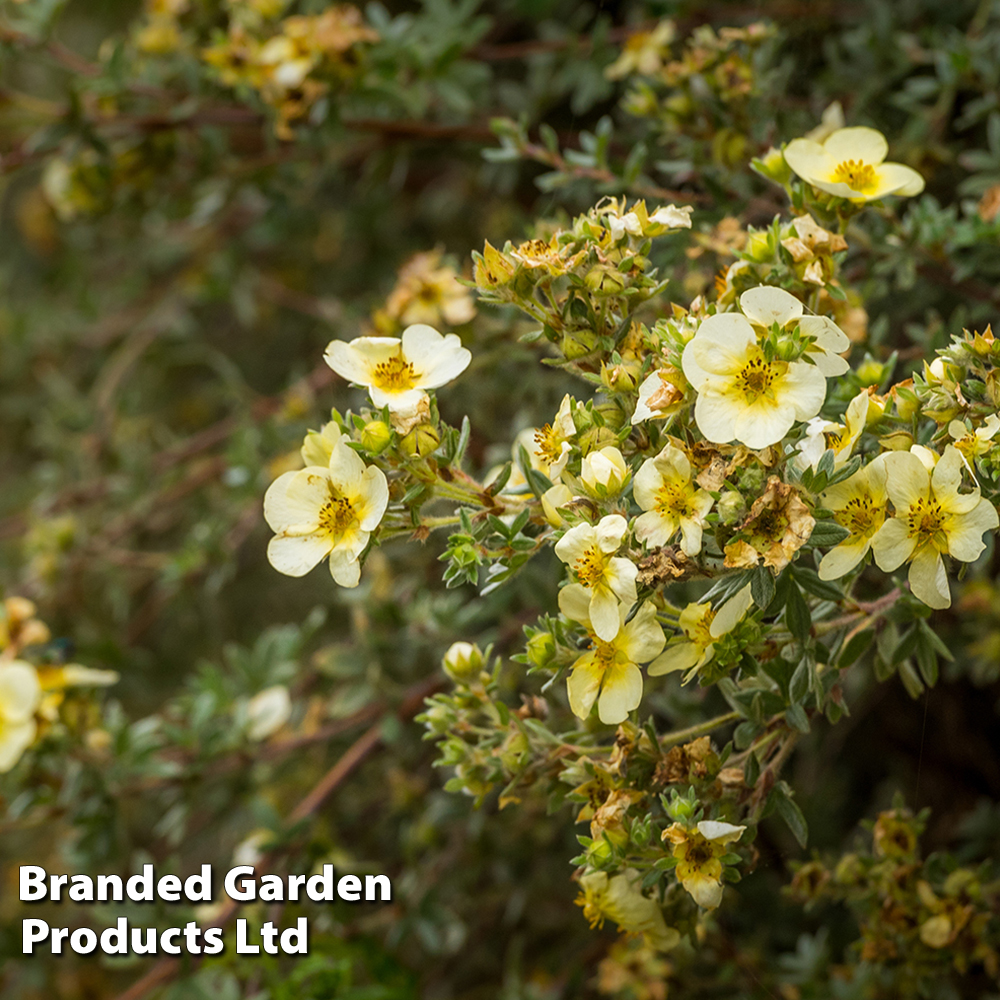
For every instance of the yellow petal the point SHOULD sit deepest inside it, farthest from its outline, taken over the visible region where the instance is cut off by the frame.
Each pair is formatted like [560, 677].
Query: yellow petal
[928, 579]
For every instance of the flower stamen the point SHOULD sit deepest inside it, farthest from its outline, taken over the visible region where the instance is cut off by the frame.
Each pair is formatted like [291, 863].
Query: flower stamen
[857, 175]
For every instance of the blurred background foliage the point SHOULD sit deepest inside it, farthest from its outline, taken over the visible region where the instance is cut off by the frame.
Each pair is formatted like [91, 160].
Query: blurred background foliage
[185, 222]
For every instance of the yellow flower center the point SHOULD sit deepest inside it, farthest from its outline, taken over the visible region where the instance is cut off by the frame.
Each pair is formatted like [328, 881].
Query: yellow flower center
[769, 526]
[700, 632]
[607, 654]
[593, 907]
[857, 175]
[755, 378]
[858, 515]
[590, 567]
[673, 498]
[926, 522]
[337, 517]
[395, 373]
[548, 443]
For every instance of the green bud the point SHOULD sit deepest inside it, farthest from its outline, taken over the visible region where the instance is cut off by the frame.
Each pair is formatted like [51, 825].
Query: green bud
[375, 436]
[421, 441]
[462, 662]
[540, 649]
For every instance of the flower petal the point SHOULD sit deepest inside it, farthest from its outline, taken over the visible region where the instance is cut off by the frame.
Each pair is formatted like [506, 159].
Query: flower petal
[295, 498]
[620, 693]
[605, 617]
[899, 179]
[574, 603]
[436, 359]
[355, 361]
[345, 567]
[642, 637]
[965, 533]
[803, 387]
[766, 304]
[372, 498]
[730, 613]
[907, 481]
[892, 545]
[844, 557]
[583, 684]
[295, 555]
[721, 833]
[928, 579]
[679, 656]
[858, 143]
[20, 692]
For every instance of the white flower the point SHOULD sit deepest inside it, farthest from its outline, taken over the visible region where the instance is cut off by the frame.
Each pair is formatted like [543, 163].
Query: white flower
[672, 217]
[859, 505]
[318, 445]
[318, 512]
[850, 164]
[931, 518]
[765, 305]
[663, 488]
[608, 672]
[841, 438]
[20, 696]
[741, 395]
[702, 627]
[268, 711]
[548, 446]
[590, 551]
[397, 371]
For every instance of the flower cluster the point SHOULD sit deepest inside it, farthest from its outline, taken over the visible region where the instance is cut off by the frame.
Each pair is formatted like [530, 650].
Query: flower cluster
[711, 510]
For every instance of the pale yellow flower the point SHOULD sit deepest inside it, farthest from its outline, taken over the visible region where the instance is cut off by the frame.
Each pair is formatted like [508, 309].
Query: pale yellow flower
[931, 518]
[552, 499]
[20, 696]
[664, 490]
[859, 505]
[766, 304]
[318, 445]
[661, 395]
[268, 711]
[607, 578]
[318, 512]
[619, 898]
[604, 472]
[548, 446]
[741, 395]
[974, 444]
[644, 52]
[398, 371]
[850, 164]
[610, 669]
[699, 853]
[840, 438]
[702, 627]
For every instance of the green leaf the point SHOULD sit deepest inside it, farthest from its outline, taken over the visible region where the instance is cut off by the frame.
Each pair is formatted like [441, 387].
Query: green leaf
[797, 615]
[927, 663]
[826, 534]
[789, 811]
[907, 644]
[799, 685]
[935, 641]
[762, 586]
[797, 718]
[751, 771]
[853, 649]
[809, 580]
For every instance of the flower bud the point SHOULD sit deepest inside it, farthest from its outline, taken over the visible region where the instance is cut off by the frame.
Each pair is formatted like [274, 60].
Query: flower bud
[553, 498]
[463, 662]
[897, 441]
[604, 280]
[759, 247]
[604, 472]
[540, 649]
[375, 436]
[871, 372]
[577, 344]
[772, 165]
[618, 378]
[731, 507]
[421, 441]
